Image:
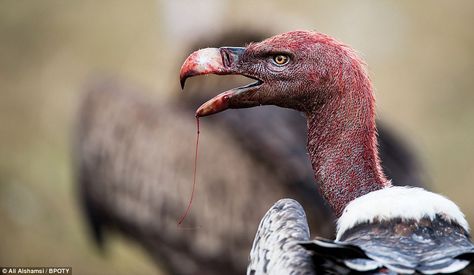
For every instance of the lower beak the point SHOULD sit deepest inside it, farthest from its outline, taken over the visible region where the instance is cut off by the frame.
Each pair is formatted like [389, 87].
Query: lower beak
[221, 61]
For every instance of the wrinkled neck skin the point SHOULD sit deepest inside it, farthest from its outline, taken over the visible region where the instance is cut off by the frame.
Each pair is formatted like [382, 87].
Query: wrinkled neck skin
[342, 144]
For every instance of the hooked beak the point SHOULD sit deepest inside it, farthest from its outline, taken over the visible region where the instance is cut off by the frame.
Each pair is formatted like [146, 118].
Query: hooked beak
[220, 61]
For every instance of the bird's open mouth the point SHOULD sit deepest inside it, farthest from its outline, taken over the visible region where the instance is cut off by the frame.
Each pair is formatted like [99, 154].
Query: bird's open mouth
[258, 82]
[221, 61]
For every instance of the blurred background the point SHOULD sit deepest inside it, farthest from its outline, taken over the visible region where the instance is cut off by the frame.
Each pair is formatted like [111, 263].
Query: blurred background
[420, 56]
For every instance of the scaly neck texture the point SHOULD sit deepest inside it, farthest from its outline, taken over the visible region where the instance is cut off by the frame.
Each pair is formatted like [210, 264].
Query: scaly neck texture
[342, 142]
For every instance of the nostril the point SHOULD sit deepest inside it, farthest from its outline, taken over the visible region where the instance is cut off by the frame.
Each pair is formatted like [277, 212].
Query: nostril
[230, 56]
[226, 58]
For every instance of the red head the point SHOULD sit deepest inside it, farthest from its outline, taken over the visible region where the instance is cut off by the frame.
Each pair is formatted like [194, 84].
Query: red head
[313, 73]
[298, 70]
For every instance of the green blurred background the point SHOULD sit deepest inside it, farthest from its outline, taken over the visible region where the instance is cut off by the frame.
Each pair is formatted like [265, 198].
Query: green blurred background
[420, 56]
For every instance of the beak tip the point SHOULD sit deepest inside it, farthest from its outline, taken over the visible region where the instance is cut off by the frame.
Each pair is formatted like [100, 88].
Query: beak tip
[185, 74]
[199, 112]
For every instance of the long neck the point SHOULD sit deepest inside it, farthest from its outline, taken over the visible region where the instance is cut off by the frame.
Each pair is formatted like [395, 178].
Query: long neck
[343, 147]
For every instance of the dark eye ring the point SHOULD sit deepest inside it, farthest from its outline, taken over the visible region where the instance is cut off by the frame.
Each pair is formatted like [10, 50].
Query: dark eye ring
[280, 59]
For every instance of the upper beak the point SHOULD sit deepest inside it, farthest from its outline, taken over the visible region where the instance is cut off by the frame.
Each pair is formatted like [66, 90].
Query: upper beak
[221, 61]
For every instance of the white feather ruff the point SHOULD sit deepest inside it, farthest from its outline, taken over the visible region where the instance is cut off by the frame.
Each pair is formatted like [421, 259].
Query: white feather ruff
[398, 202]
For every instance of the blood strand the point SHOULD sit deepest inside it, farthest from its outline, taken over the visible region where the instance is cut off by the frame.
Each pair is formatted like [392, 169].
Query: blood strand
[188, 208]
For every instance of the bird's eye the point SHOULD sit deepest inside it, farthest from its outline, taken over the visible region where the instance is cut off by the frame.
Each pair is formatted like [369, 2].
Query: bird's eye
[280, 59]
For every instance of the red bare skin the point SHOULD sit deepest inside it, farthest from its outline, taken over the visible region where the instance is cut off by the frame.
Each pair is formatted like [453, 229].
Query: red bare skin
[342, 141]
[325, 80]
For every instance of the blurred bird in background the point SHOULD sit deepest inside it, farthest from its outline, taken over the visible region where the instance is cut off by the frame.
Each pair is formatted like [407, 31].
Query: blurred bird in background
[127, 174]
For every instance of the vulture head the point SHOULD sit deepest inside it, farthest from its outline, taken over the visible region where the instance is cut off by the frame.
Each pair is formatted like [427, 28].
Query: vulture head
[300, 70]
[313, 73]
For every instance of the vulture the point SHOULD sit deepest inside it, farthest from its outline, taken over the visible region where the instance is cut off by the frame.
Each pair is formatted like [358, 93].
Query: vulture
[381, 228]
[134, 155]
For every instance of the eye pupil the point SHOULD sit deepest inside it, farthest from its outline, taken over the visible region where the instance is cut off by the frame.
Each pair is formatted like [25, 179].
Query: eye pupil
[280, 59]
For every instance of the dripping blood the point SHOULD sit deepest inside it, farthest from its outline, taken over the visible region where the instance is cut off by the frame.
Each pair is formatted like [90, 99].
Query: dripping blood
[188, 208]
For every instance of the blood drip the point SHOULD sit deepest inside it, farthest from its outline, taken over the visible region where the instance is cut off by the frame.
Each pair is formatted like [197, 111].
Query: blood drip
[181, 219]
